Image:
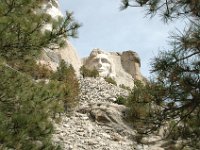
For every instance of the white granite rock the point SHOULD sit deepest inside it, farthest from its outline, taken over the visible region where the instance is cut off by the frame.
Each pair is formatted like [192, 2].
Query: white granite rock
[51, 58]
[98, 123]
[80, 131]
[123, 67]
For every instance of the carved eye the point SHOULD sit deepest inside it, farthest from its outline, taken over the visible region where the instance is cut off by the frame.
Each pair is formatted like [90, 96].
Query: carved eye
[96, 60]
[103, 60]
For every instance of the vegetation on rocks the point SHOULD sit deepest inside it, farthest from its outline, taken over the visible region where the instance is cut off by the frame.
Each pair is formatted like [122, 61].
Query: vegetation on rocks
[124, 87]
[139, 106]
[68, 84]
[110, 80]
[121, 100]
[88, 73]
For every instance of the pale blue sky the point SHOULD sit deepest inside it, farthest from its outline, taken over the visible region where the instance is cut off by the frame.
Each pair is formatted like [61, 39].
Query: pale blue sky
[108, 28]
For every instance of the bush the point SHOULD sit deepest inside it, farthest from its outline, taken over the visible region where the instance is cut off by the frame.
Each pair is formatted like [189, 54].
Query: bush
[88, 73]
[124, 87]
[121, 100]
[110, 80]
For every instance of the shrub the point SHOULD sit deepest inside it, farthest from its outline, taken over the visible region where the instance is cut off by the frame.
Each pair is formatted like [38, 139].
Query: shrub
[110, 80]
[124, 87]
[121, 100]
[88, 73]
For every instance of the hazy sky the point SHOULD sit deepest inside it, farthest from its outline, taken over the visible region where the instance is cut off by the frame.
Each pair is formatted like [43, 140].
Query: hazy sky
[108, 28]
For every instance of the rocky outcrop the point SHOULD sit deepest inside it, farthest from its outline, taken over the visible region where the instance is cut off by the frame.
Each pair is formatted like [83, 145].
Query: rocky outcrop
[125, 66]
[68, 53]
[131, 64]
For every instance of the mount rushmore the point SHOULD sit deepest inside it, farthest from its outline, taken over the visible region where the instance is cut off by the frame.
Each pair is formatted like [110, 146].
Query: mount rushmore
[123, 67]
[98, 122]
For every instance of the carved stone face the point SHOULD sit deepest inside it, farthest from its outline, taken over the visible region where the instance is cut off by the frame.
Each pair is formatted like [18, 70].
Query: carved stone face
[103, 65]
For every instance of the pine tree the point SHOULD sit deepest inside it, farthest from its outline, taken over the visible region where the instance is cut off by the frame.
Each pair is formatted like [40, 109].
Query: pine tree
[21, 23]
[27, 106]
[176, 86]
[25, 111]
[69, 85]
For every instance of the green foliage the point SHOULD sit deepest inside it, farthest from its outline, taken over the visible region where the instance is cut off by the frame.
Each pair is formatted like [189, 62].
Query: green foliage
[176, 86]
[69, 85]
[30, 67]
[25, 111]
[20, 29]
[110, 80]
[26, 105]
[139, 105]
[168, 10]
[121, 100]
[88, 73]
[124, 87]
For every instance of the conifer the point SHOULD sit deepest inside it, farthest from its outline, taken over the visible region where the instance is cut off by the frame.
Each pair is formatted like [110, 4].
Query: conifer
[28, 105]
[176, 85]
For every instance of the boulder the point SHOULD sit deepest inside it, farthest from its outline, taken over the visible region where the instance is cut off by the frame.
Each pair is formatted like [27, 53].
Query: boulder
[109, 114]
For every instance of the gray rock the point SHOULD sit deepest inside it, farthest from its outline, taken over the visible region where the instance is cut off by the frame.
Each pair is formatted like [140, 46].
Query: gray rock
[98, 123]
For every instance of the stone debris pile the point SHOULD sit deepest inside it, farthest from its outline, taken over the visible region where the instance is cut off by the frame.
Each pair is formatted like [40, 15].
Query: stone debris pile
[97, 123]
[98, 90]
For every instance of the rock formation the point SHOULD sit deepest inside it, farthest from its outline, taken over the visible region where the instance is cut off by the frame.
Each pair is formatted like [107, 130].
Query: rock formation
[68, 53]
[97, 122]
[101, 61]
[123, 67]
[131, 64]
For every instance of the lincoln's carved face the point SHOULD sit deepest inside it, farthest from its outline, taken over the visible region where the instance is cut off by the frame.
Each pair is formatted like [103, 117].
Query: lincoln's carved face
[103, 65]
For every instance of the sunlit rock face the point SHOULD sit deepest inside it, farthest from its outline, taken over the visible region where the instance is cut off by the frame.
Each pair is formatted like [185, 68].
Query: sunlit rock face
[50, 57]
[131, 64]
[68, 54]
[52, 7]
[102, 62]
[123, 67]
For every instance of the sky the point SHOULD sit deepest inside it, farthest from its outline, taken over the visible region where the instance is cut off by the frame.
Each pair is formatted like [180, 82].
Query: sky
[104, 26]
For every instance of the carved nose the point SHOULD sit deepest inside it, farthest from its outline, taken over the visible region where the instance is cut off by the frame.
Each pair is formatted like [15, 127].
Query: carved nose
[99, 64]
